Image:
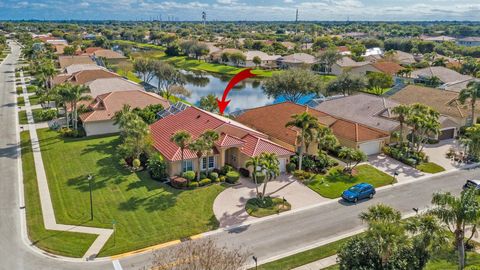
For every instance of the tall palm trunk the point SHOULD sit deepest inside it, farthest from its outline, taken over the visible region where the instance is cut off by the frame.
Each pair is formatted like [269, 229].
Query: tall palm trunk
[199, 168]
[267, 178]
[459, 238]
[66, 115]
[300, 154]
[401, 133]
[474, 121]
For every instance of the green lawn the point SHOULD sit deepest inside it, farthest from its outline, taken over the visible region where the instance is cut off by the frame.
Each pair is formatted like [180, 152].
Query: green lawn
[430, 167]
[34, 100]
[20, 101]
[186, 63]
[254, 207]
[22, 117]
[448, 261]
[147, 212]
[305, 257]
[335, 182]
[61, 243]
[138, 44]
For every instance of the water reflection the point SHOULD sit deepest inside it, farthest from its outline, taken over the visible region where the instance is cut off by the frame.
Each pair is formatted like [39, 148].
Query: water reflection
[247, 94]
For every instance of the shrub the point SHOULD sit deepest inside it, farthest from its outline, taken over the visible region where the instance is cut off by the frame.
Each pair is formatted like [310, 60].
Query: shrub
[232, 177]
[244, 172]
[298, 173]
[179, 182]
[260, 176]
[69, 133]
[44, 115]
[222, 178]
[19, 90]
[203, 175]
[227, 168]
[214, 176]
[189, 175]
[291, 167]
[157, 167]
[205, 182]
[31, 88]
[193, 184]
[136, 163]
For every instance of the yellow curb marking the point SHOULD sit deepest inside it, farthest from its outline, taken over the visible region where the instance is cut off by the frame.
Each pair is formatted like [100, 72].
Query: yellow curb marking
[152, 248]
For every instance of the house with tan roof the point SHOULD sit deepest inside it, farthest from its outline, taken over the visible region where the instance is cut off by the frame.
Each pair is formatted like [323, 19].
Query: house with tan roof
[266, 60]
[83, 76]
[271, 120]
[67, 60]
[296, 60]
[112, 57]
[81, 67]
[115, 84]
[444, 101]
[237, 142]
[403, 58]
[346, 64]
[99, 119]
[451, 80]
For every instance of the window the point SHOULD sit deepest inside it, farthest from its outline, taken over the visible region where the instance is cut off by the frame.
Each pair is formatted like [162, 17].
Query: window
[187, 165]
[210, 162]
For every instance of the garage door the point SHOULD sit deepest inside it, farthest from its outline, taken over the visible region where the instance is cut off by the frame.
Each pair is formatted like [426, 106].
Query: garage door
[370, 148]
[446, 134]
[282, 165]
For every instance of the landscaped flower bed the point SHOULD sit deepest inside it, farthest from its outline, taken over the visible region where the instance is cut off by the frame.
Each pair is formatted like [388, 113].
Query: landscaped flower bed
[258, 207]
[188, 179]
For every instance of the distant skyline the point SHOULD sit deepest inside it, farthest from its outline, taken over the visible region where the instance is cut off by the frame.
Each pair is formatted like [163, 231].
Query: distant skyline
[235, 10]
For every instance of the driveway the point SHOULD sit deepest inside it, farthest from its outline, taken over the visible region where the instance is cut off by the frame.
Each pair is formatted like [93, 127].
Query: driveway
[229, 206]
[389, 165]
[436, 153]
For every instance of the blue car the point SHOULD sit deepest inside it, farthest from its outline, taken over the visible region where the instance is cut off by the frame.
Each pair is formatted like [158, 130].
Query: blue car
[358, 192]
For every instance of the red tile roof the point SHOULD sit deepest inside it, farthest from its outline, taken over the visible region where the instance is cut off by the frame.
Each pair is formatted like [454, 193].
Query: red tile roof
[196, 121]
[91, 50]
[271, 120]
[84, 76]
[105, 106]
[254, 146]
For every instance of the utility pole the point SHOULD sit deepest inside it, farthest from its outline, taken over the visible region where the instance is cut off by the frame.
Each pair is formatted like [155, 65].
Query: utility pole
[204, 18]
[296, 21]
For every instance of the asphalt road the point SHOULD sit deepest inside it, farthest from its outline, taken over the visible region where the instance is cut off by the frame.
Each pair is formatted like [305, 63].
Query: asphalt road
[264, 239]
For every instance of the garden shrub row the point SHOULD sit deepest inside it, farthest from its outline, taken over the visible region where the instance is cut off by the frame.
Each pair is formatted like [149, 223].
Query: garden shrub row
[405, 155]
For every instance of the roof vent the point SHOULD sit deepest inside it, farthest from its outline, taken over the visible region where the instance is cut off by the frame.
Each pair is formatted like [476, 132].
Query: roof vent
[198, 116]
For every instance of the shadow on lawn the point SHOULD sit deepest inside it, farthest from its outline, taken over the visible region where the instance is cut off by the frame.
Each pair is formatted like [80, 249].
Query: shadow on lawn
[339, 176]
[159, 201]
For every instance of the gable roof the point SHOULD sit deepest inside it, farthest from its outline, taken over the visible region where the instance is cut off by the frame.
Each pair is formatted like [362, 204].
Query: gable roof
[196, 121]
[271, 119]
[91, 50]
[445, 102]
[84, 76]
[386, 67]
[249, 55]
[80, 67]
[366, 109]
[68, 60]
[105, 106]
[404, 57]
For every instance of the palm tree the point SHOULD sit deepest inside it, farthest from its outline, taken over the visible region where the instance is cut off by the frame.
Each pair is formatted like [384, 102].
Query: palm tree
[181, 138]
[402, 112]
[210, 136]
[457, 213]
[304, 122]
[271, 167]
[64, 97]
[325, 138]
[254, 162]
[78, 94]
[199, 146]
[120, 117]
[472, 92]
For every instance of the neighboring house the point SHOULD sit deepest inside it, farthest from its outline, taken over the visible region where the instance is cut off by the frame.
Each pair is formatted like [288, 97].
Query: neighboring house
[106, 85]
[346, 64]
[90, 50]
[271, 120]
[366, 109]
[373, 54]
[68, 60]
[296, 60]
[451, 80]
[267, 61]
[469, 41]
[362, 68]
[438, 39]
[84, 76]
[81, 67]
[236, 145]
[403, 58]
[103, 108]
[112, 57]
[443, 101]
[216, 56]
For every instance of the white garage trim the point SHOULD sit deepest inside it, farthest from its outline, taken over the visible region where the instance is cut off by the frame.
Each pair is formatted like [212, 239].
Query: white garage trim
[371, 147]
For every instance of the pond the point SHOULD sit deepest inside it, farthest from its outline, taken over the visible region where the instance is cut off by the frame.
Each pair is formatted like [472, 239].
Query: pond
[245, 95]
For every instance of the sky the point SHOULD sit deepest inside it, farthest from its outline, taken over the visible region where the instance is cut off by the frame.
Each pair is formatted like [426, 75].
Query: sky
[235, 10]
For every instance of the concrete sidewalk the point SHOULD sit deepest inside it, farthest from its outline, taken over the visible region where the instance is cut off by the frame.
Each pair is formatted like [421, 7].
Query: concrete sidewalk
[320, 264]
[44, 192]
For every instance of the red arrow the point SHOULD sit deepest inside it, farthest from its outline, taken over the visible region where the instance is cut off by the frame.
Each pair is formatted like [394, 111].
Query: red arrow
[242, 75]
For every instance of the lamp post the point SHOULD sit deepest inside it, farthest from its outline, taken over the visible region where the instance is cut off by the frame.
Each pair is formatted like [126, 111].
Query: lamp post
[255, 259]
[90, 180]
[395, 174]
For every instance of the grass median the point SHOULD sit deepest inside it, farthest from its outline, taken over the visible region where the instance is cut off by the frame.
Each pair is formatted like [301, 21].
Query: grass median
[61, 243]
